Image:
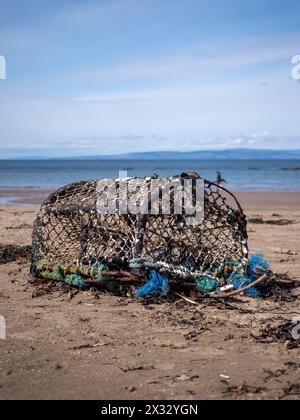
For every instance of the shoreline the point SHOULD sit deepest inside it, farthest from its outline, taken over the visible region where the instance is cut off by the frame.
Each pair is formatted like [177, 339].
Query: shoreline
[249, 199]
[22, 196]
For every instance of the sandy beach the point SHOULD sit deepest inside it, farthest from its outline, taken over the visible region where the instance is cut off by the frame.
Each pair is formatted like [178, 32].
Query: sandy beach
[73, 344]
[108, 109]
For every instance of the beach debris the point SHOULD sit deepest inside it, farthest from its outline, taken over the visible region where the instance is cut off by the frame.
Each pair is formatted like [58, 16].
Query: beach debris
[131, 388]
[207, 284]
[137, 368]
[244, 389]
[148, 255]
[157, 284]
[293, 365]
[193, 335]
[283, 333]
[270, 375]
[86, 346]
[22, 226]
[186, 377]
[9, 253]
[292, 389]
[186, 299]
[244, 285]
[261, 221]
[42, 291]
[225, 377]
[284, 251]
[278, 287]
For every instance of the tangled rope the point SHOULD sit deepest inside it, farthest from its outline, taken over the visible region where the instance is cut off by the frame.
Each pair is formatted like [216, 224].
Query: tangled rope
[157, 283]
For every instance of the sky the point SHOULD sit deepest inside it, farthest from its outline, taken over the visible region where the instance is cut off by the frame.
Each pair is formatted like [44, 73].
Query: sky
[117, 76]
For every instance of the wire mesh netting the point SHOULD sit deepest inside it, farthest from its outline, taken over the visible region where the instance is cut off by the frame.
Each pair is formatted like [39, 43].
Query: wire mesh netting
[71, 231]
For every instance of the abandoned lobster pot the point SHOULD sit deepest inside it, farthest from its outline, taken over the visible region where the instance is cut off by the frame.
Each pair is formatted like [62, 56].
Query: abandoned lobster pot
[157, 235]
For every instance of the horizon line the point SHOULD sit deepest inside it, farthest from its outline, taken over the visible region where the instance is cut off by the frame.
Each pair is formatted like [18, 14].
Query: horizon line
[154, 152]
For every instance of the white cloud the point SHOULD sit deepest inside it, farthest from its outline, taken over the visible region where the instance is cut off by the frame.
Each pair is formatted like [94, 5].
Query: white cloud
[121, 96]
[186, 118]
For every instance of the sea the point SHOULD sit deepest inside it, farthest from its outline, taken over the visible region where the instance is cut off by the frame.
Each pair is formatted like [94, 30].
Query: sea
[257, 175]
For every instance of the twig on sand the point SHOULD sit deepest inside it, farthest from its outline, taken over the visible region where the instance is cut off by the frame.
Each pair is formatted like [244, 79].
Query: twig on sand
[186, 299]
[225, 295]
[241, 290]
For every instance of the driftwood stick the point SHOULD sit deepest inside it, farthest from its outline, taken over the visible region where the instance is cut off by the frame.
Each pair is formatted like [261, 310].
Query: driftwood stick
[241, 290]
[225, 295]
[122, 280]
[186, 299]
[119, 273]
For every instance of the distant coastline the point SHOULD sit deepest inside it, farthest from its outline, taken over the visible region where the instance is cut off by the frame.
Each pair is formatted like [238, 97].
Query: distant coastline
[228, 154]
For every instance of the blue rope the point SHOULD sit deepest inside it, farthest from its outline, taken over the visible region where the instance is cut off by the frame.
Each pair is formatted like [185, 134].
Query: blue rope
[257, 264]
[157, 284]
[240, 281]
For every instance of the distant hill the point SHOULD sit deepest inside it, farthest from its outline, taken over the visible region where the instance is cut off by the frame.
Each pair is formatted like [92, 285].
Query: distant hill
[207, 154]
[169, 155]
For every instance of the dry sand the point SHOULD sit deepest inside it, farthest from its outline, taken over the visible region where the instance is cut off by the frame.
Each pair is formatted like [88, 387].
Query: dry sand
[81, 345]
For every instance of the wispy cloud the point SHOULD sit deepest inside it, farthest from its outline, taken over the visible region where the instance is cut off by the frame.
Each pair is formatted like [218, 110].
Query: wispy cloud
[202, 64]
[66, 18]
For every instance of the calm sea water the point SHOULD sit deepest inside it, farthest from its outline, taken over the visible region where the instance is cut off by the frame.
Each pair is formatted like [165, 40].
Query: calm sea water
[240, 174]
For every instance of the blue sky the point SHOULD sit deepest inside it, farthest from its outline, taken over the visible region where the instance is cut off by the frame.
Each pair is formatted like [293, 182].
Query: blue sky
[115, 76]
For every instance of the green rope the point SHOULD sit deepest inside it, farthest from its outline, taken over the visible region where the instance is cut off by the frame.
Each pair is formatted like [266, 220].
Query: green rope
[72, 274]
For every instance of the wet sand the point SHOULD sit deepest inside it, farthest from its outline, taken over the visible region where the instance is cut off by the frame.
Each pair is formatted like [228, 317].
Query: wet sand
[80, 345]
[250, 200]
[23, 196]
